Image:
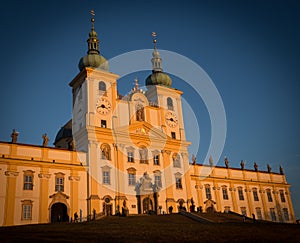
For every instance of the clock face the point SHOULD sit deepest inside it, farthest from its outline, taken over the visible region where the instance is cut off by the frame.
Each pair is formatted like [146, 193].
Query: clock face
[171, 119]
[103, 106]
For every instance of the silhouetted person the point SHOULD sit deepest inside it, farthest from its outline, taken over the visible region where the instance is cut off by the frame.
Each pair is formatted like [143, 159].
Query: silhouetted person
[75, 217]
[253, 216]
[170, 209]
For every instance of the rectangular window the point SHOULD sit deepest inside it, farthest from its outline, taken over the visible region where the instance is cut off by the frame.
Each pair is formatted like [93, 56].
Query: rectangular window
[157, 180]
[269, 195]
[59, 184]
[106, 177]
[156, 159]
[131, 179]
[286, 214]
[225, 193]
[282, 196]
[103, 123]
[178, 183]
[173, 135]
[130, 156]
[208, 192]
[243, 211]
[255, 195]
[26, 212]
[258, 213]
[241, 194]
[28, 182]
[273, 214]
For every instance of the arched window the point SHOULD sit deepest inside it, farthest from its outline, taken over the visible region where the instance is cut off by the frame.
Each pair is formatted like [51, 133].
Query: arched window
[170, 104]
[105, 151]
[207, 191]
[102, 86]
[255, 194]
[176, 160]
[269, 195]
[140, 114]
[225, 192]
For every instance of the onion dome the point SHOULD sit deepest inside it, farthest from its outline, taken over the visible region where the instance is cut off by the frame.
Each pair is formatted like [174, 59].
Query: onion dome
[158, 77]
[93, 58]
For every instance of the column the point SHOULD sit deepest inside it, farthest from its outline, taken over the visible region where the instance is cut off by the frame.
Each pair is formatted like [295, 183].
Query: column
[168, 178]
[9, 211]
[233, 197]
[44, 196]
[74, 179]
[249, 199]
[217, 195]
[263, 199]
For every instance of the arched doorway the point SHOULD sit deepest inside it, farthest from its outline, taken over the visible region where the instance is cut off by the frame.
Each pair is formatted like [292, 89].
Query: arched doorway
[147, 205]
[59, 213]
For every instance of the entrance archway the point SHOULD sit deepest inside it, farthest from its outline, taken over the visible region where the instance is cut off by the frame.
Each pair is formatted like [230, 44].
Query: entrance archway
[147, 205]
[59, 213]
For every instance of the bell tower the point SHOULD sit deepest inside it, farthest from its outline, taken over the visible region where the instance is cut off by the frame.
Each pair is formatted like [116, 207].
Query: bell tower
[94, 100]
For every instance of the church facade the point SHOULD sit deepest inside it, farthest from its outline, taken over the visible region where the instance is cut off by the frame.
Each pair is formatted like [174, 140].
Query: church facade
[127, 155]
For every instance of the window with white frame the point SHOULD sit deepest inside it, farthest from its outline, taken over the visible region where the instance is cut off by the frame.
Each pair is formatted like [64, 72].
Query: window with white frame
[255, 194]
[269, 195]
[130, 156]
[26, 210]
[59, 182]
[285, 214]
[258, 213]
[178, 181]
[106, 175]
[131, 176]
[273, 214]
[282, 197]
[28, 180]
[225, 193]
[241, 193]
[157, 178]
[156, 159]
[207, 191]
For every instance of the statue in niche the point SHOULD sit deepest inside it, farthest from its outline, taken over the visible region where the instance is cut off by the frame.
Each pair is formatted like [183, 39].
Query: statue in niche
[105, 153]
[14, 136]
[269, 168]
[242, 164]
[255, 166]
[226, 162]
[140, 116]
[71, 145]
[194, 160]
[45, 140]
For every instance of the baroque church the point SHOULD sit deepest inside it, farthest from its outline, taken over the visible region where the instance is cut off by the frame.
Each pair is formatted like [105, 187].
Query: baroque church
[121, 155]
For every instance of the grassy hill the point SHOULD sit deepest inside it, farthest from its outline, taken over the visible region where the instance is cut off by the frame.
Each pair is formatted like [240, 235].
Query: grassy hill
[163, 228]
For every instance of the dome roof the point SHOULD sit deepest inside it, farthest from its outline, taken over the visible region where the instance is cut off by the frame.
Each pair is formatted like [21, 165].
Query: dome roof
[94, 61]
[65, 132]
[159, 78]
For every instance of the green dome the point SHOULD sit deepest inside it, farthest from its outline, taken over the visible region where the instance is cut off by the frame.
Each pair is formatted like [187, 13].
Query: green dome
[159, 78]
[94, 61]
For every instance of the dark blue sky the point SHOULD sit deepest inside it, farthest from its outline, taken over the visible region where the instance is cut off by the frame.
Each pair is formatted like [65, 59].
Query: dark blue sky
[250, 49]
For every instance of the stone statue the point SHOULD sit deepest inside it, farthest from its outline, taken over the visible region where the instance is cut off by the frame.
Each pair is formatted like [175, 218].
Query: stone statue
[105, 153]
[14, 136]
[194, 160]
[211, 162]
[146, 182]
[281, 170]
[226, 162]
[140, 113]
[72, 145]
[269, 168]
[242, 164]
[255, 166]
[45, 140]
[125, 210]
[143, 154]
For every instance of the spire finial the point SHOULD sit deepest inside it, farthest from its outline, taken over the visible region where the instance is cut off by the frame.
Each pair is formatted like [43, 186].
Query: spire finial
[92, 12]
[156, 60]
[154, 39]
